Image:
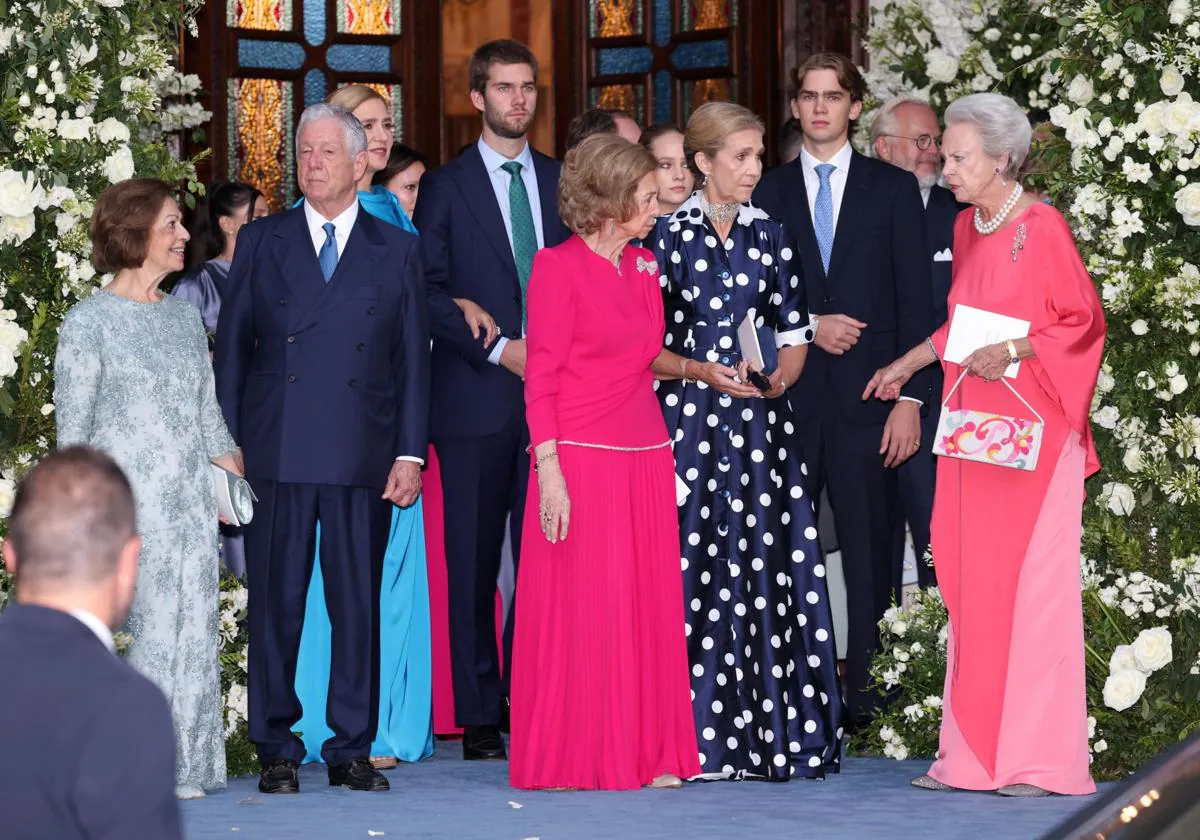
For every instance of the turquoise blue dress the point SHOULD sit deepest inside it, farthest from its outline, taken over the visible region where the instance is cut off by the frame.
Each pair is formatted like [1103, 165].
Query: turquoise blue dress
[405, 658]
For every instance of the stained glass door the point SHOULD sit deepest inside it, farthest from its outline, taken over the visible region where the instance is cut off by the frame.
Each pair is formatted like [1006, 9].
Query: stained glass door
[660, 59]
[269, 59]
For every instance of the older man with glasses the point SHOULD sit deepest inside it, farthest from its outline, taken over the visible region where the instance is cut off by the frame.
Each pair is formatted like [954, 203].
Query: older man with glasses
[906, 134]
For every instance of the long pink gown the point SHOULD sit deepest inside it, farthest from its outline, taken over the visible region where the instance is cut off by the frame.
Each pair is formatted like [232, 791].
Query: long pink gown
[600, 692]
[1006, 541]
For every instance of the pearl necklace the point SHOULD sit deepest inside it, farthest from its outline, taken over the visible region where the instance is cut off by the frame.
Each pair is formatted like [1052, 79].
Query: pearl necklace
[984, 228]
[719, 214]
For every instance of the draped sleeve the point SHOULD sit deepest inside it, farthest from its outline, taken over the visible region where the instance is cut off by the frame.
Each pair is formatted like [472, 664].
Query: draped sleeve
[551, 304]
[1069, 344]
[791, 319]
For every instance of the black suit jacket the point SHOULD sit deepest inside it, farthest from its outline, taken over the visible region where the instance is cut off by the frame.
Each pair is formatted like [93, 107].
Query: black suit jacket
[324, 383]
[466, 253]
[86, 744]
[940, 213]
[878, 273]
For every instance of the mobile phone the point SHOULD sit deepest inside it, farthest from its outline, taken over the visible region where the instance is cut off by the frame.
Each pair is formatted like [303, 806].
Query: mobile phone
[758, 380]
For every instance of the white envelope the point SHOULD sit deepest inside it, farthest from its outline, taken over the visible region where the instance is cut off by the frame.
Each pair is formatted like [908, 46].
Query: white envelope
[682, 491]
[943, 255]
[748, 340]
[972, 328]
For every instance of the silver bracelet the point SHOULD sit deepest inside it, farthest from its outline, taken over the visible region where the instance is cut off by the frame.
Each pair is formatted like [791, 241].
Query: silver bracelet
[933, 349]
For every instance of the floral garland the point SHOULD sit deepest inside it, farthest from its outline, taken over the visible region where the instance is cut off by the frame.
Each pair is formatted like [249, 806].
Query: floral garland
[1120, 157]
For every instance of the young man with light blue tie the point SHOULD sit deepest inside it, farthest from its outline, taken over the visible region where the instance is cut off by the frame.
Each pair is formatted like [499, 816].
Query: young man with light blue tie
[859, 224]
[482, 217]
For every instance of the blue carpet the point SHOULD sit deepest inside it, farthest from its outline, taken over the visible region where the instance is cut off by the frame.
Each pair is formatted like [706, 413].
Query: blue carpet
[445, 797]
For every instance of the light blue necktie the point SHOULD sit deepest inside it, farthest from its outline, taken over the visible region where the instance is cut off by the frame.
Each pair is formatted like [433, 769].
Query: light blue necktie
[823, 214]
[328, 256]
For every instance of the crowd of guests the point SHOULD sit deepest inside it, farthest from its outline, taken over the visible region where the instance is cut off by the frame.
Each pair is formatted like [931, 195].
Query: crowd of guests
[587, 389]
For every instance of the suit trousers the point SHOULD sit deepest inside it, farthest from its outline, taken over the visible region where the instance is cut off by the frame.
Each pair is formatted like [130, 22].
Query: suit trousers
[280, 543]
[843, 458]
[484, 481]
[915, 483]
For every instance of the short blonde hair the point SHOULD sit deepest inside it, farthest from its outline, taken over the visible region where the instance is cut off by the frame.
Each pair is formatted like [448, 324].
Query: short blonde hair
[712, 123]
[351, 96]
[598, 181]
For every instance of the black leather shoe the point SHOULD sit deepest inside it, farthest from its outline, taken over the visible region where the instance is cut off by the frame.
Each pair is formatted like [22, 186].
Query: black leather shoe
[505, 715]
[357, 774]
[278, 776]
[483, 743]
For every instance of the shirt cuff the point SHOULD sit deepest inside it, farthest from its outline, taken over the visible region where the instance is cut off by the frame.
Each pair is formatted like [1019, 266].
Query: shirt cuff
[497, 349]
[412, 458]
[912, 399]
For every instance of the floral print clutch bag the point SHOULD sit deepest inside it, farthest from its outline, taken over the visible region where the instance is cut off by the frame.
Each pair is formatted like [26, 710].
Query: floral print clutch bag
[987, 437]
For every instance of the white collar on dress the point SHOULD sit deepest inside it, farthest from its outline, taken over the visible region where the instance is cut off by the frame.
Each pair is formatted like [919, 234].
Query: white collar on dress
[690, 211]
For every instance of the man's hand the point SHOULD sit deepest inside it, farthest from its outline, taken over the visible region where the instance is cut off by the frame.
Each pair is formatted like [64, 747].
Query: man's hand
[901, 433]
[837, 333]
[403, 484]
[512, 357]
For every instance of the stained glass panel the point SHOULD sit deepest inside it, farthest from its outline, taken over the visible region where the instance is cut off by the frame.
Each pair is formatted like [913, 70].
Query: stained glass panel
[274, 55]
[272, 15]
[314, 21]
[260, 137]
[708, 14]
[628, 98]
[314, 87]
[663, 23]
[617, 61]
[614, 18]
[694, 55]
[368, 17]
[359, 58]
[664, 91]
[697, 92]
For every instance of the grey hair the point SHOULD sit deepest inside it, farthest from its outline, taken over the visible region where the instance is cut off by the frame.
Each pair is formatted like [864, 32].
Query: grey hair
[885, 118]
[356, 135]
[1002, 125]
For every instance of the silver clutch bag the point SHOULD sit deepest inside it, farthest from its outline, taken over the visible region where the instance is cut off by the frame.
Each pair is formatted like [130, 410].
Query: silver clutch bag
[235, 499]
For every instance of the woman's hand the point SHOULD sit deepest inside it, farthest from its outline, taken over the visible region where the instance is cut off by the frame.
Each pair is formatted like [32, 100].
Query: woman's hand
[887, 382]
[554, 513]
[478, 320]
[778, 385]
[988, 362]
[232, 462]
[723, 378]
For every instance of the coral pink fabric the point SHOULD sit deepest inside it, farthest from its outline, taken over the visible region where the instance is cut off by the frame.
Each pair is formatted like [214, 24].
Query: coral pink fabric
[984, 516]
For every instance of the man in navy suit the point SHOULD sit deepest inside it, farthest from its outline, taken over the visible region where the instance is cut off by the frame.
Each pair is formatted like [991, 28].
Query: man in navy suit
[906, 134]
[482, 217]
[88, 750]
[860, 229]
[322, 364]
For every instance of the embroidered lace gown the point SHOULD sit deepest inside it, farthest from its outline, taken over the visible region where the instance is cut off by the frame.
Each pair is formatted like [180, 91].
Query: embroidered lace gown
[1006, 541]
[760, 631]
[599, 685]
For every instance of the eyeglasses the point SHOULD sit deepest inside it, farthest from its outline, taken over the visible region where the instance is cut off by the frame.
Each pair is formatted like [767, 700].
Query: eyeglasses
[923, 141]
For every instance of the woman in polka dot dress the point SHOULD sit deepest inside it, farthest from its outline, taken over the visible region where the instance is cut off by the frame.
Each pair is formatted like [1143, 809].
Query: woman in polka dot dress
[760, 636]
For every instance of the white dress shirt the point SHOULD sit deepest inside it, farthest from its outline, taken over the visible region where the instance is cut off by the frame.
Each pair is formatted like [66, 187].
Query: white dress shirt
[96, 626]
[501, 181]
[342, 225]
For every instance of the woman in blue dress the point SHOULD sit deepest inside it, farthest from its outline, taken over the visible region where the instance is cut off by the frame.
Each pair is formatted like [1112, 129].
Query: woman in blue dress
[227, 208]
[405, 729]
[759, 628]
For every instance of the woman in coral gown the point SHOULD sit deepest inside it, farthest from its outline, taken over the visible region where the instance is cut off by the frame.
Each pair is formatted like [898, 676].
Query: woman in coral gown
[1006, 541]
[600, 694]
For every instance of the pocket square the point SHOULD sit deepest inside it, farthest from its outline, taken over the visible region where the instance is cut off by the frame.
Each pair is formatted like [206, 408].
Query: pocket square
[943, 255]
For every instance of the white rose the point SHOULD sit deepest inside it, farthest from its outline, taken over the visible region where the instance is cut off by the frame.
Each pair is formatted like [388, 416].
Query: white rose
[1139, 327]
[1117, 497]
[1178, 384]
[1178, 116]
[119, 165]
[65, 222]
[1171, 81]
[1187, 202]
[1150, 120]
[47, 409]
[1100, 746]
[112, 131]
[1122, 659]
[8, 489]
[79, 129]
[1123, 688]
[941, 66]
[1152, 648]
[1107, 417]
[1134, 460]
[16, 229]
[19, 194]
[1080, 91]
[1179, 11]
[992, 34]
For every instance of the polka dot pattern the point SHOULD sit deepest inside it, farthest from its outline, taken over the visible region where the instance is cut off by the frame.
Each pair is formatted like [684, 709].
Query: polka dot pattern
[759, 629]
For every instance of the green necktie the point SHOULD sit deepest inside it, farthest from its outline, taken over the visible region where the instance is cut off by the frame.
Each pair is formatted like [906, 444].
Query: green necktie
[524, 237]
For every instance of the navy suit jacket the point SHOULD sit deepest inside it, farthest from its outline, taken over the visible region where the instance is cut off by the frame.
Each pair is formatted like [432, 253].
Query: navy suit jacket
[87, 748]
[878, 273]
[940, 213]
[467, 254]
[324, 383]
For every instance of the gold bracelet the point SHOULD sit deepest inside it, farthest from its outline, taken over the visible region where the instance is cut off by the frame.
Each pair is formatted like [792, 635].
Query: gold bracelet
[1013, 356]
[541, 459]
[683, 370]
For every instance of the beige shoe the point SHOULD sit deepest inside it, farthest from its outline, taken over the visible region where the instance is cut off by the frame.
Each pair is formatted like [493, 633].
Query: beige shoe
[927, 782]
[1024, 790]
[384, 762]
[666, 780]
